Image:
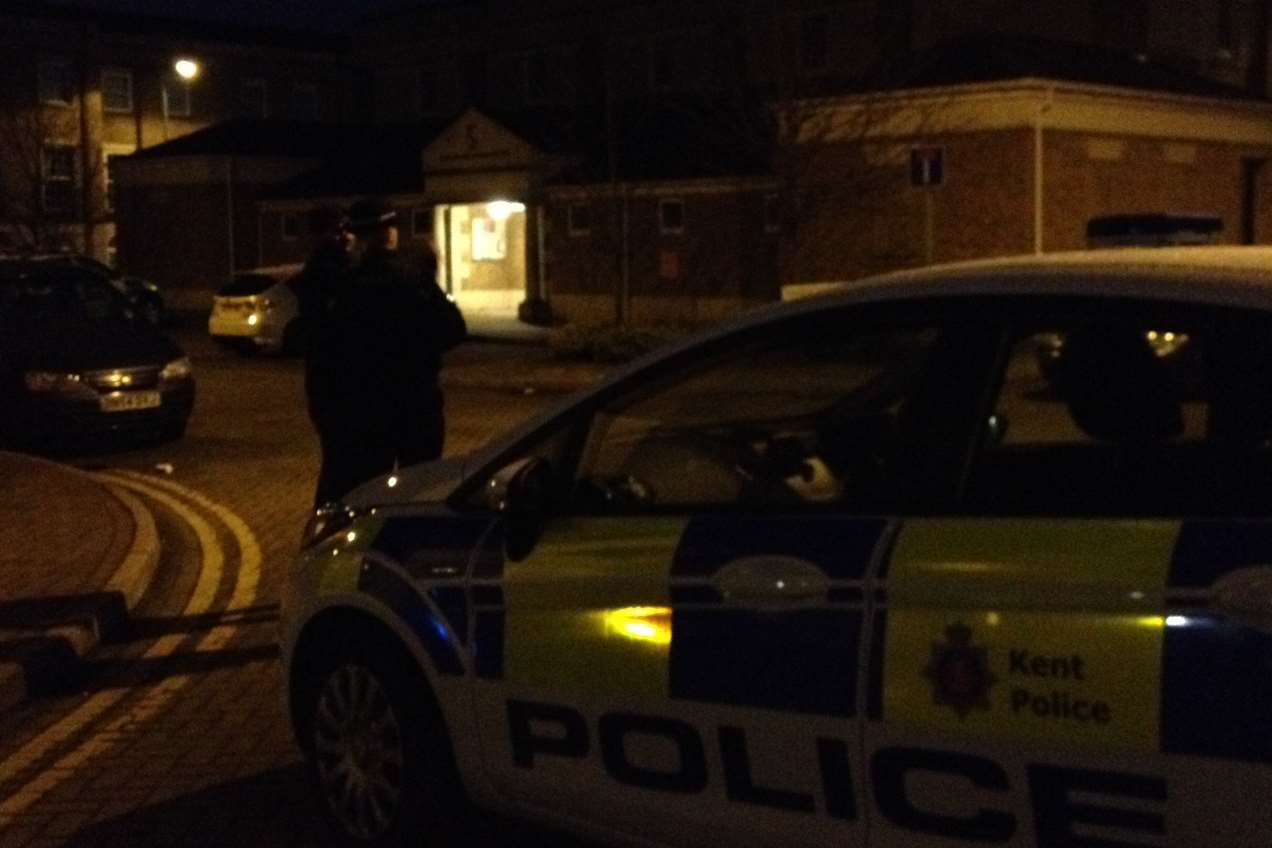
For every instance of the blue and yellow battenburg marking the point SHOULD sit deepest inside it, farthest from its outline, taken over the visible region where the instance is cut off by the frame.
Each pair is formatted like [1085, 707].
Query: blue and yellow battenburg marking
[624, 607]
[383, 557]
[1075, 633]
[1066, 632]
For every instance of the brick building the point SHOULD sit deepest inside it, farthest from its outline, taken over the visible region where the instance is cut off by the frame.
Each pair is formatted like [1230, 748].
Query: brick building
[664, 160]
[79, 89]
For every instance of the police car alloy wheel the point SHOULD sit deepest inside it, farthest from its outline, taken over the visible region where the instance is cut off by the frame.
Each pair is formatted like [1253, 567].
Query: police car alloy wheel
[377, 750]
[358, 751]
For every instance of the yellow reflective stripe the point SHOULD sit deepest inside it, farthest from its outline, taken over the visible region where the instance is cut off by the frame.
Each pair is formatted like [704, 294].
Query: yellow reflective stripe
[1038, 629]
[340, 559]
[589, 610]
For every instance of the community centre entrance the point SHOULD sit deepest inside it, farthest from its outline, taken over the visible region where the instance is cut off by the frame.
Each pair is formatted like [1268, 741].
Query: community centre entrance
[482, 259]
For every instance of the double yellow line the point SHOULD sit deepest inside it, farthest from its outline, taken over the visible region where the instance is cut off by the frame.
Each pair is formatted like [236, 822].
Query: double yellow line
[245, 593]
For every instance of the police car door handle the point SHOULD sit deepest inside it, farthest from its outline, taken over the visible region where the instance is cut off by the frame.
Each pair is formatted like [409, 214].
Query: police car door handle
[1245, 595]
[771, 580]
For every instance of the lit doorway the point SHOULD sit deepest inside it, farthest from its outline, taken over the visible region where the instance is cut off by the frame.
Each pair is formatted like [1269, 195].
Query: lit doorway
[482, 254]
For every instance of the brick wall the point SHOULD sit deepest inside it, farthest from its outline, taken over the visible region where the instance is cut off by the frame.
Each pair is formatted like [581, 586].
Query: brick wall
[723, 259]
[1090, 175]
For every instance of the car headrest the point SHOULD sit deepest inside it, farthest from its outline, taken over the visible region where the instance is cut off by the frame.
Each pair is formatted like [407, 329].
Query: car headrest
[1117, 389]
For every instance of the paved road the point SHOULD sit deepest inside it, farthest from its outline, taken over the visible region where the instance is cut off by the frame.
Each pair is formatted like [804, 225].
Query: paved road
[176, 734]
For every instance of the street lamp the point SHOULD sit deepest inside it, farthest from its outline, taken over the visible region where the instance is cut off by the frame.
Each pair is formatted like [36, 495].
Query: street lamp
[187, 69]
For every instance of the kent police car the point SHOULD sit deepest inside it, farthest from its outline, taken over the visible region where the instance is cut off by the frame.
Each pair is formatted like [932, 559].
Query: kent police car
[848, 571]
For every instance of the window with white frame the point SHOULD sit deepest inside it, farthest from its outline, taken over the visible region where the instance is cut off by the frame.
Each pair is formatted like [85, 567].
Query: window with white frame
[117, 90]
[57, 82]
[254, 97]
[58, 183]
[176, 99]
[772, 213]
[111, 153]
[536, 77]
[291, 226]
[671, 216]
[304, 101]
[579, 218]
[430, 91]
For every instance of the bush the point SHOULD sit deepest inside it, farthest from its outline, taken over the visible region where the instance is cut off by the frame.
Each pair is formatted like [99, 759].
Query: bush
[608, 342]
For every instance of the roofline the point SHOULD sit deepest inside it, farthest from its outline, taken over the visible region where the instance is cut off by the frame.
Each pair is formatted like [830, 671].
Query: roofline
[1044, 86]
[1033, 103]
[192, 30]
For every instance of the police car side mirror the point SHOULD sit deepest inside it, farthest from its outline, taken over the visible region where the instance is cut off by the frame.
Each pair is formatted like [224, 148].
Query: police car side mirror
[996, 428]
[521, 492]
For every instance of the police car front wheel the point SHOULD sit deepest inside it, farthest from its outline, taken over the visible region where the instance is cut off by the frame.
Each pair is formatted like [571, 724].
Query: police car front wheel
[378, 753]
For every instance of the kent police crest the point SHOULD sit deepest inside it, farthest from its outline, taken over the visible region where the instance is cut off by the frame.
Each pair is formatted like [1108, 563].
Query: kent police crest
[959, 671]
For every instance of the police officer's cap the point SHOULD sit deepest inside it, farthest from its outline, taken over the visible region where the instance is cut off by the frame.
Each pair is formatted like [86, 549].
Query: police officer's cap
[371, 214]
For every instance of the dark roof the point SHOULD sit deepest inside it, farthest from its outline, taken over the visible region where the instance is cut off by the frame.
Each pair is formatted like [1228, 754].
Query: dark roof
[107, 21]
[669, 141]
[297, 140]
[994, 58]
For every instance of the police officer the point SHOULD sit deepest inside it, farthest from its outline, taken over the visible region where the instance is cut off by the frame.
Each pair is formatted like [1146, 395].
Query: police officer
[315, 287]
[389, 325]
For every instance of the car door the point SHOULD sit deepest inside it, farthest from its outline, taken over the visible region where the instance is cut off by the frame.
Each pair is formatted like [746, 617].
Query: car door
[677, 653]
[1074, 655]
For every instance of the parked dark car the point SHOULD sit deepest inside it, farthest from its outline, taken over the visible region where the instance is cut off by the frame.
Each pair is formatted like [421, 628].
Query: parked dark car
[77, 364]
[143, 296]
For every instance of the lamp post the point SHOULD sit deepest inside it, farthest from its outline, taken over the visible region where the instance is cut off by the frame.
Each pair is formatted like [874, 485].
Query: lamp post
[187, 71]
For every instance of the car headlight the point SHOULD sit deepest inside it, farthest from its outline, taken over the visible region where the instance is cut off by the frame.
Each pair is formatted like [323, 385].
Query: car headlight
[327, 520]
[177, 369]
[51, 381]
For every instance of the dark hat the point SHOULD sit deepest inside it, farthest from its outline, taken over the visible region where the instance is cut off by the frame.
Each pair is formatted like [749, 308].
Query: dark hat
[371, 214]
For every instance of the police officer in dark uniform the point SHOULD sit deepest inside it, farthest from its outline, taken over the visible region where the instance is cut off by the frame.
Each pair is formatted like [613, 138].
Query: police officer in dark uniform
[387, 329]
[315, 288]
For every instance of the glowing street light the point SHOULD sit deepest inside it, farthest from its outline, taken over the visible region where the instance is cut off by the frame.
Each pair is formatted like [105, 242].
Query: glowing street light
[500, 210]
[187, 69]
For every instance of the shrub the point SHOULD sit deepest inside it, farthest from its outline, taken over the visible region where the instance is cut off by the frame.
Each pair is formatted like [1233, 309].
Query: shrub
[608, 342]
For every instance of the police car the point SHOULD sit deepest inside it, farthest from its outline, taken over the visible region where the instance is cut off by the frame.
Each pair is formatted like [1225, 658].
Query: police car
[848, 571]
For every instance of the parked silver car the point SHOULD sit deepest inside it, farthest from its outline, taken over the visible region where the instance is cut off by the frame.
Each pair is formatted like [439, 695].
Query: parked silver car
[257, 311]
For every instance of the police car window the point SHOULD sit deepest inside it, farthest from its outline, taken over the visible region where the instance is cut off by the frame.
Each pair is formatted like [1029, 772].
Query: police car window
[802, 421]
[1128, 418]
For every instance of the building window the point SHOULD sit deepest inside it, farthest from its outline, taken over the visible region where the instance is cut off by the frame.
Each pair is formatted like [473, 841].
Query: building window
[671, 216]
[814, 42]
[579, 219]
[109, 164]
[291, 226]
[772, 213]
[117, 90]
[422, 222]
[536, 78]
[430, 90]
[254, 98]
[58, 184]
[1225, 32]
[57, 82]
[304, 101]
[176, 99]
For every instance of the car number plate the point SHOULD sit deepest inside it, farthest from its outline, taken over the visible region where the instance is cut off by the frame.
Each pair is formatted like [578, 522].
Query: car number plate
[126, 401]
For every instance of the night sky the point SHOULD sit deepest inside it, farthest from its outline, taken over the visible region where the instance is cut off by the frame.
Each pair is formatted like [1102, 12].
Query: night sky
[332, 15]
